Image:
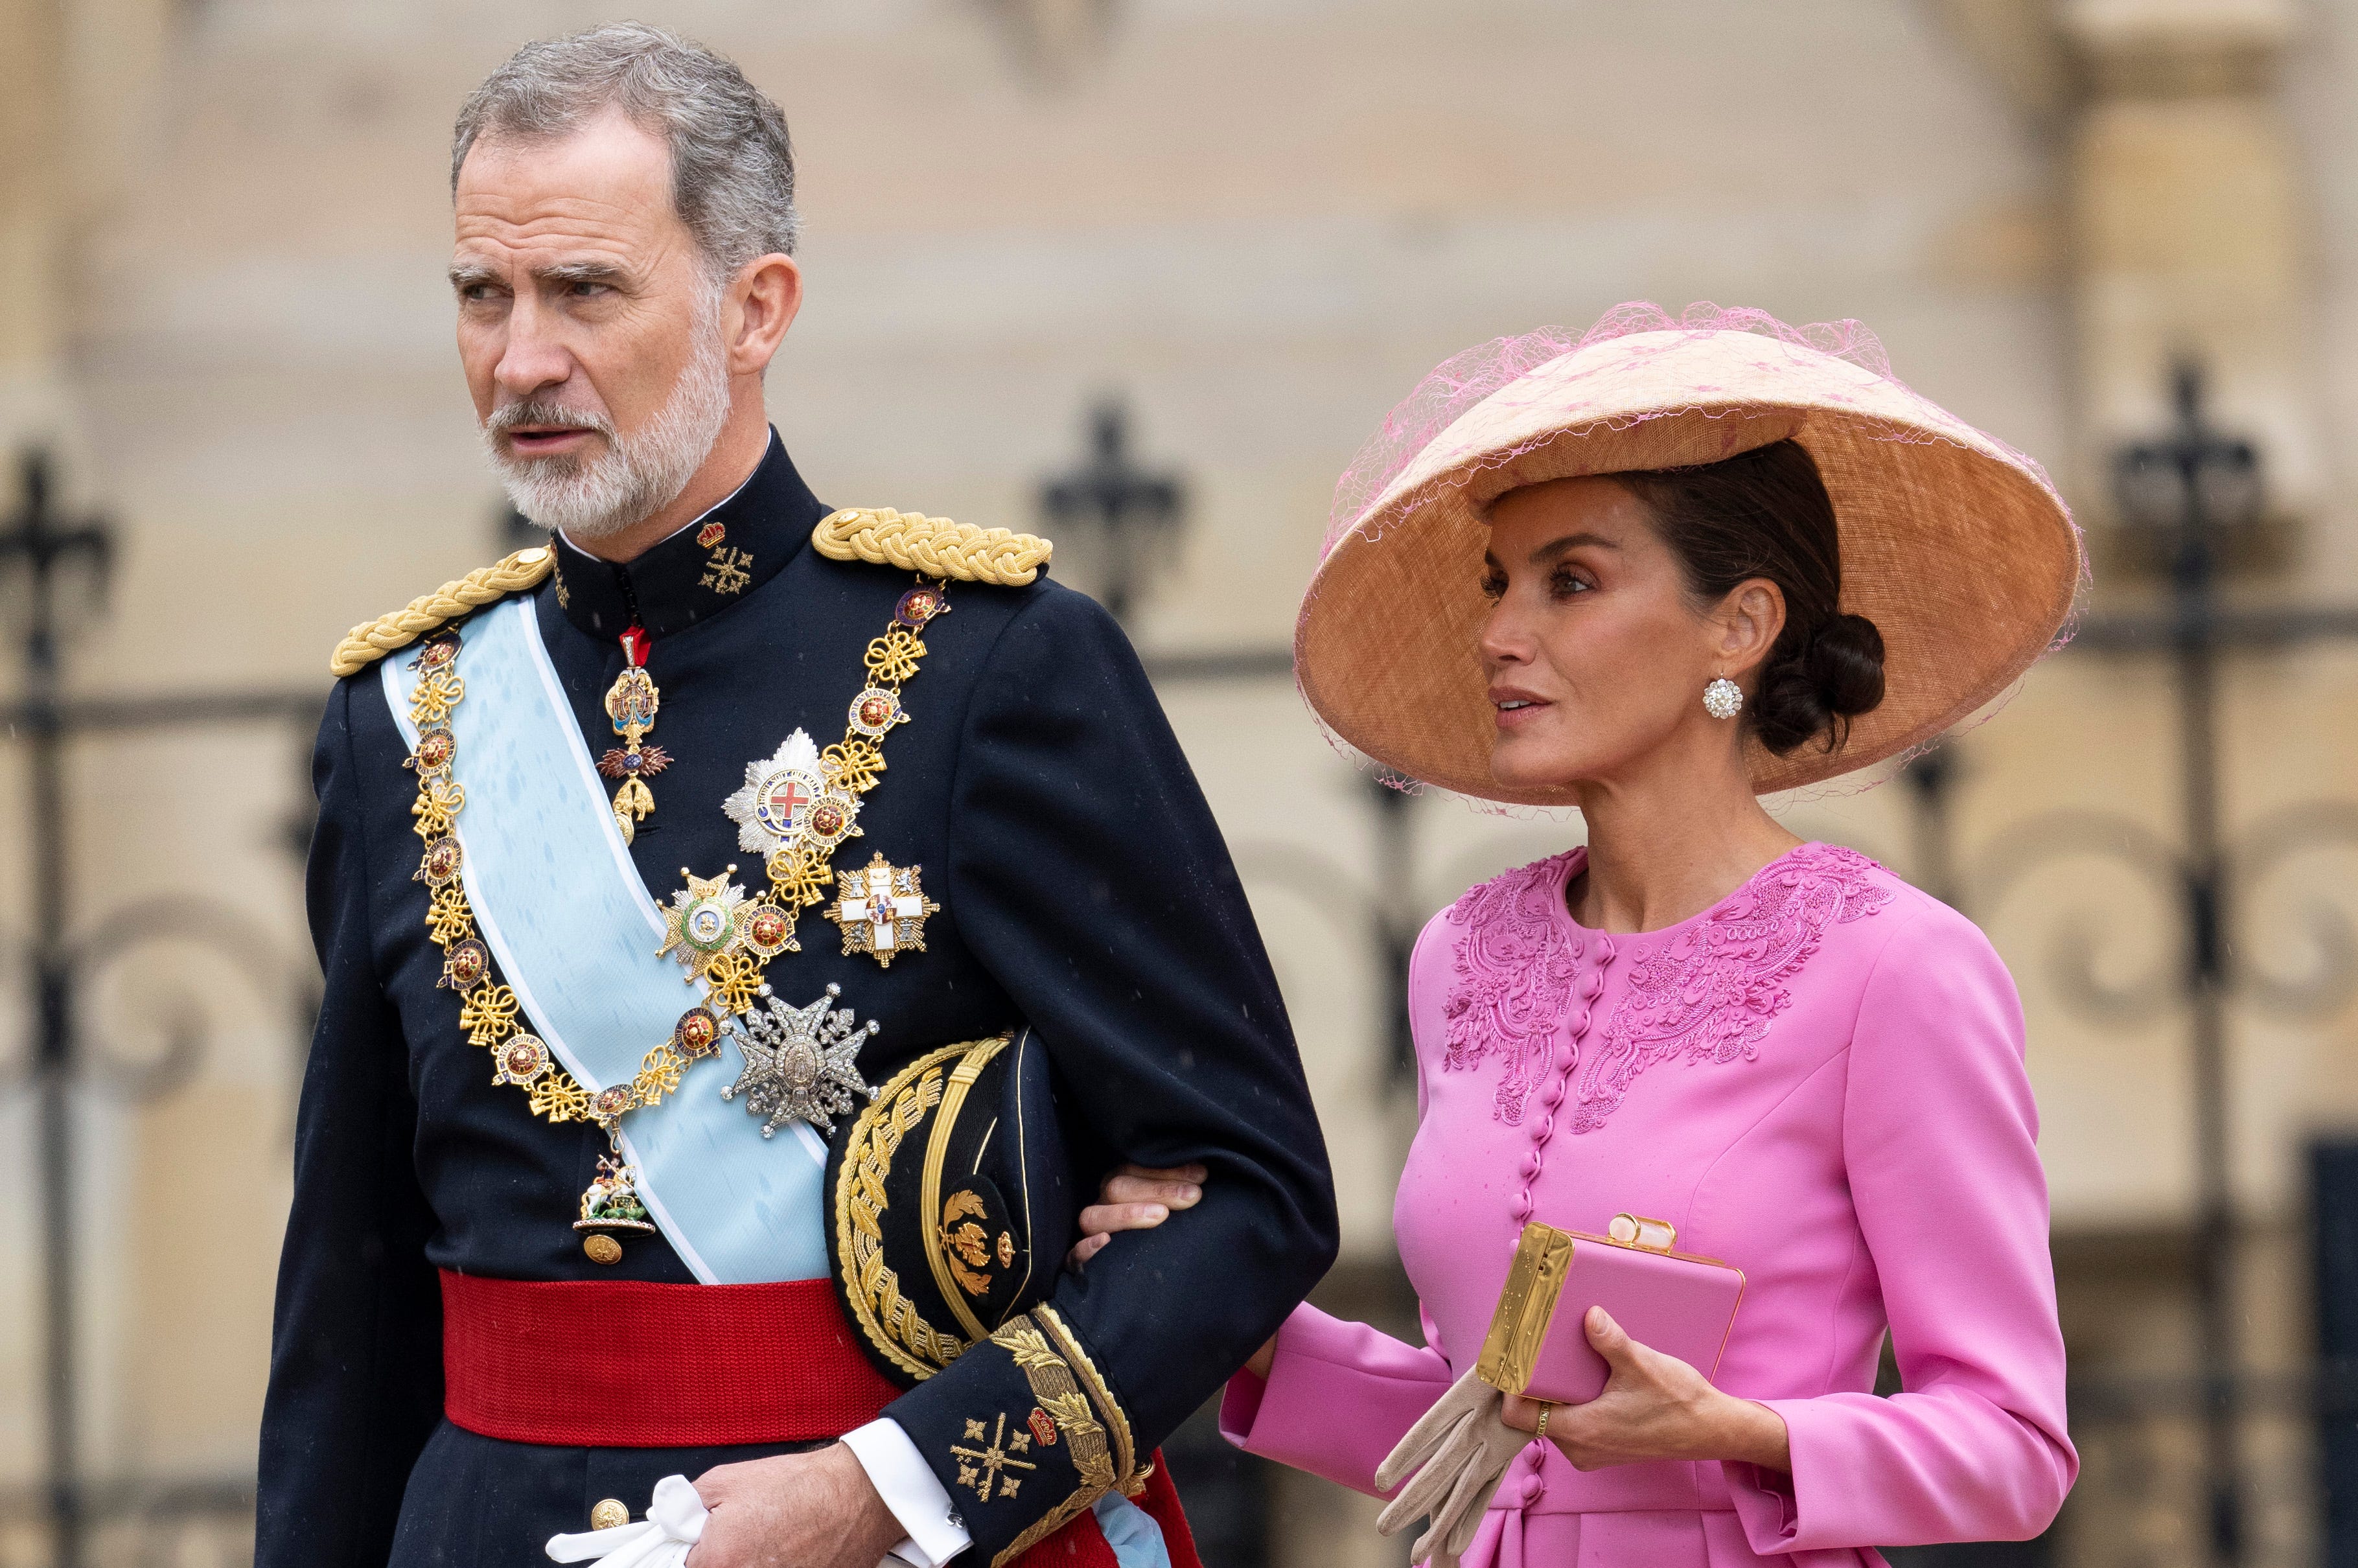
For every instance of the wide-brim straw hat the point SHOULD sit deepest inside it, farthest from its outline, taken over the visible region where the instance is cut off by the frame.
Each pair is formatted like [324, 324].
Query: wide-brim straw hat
[1953, 543]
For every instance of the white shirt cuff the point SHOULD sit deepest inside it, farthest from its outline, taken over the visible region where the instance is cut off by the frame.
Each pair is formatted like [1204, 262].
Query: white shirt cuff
[909, 1488]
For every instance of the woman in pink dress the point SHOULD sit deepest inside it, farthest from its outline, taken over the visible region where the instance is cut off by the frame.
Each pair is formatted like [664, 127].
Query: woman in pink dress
[1652, 574]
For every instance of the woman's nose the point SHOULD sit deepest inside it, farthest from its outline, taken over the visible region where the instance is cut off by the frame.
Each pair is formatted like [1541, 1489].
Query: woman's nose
[1503, 640]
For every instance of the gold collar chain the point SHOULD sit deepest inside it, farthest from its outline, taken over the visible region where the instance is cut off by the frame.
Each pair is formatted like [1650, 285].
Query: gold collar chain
[723, 937]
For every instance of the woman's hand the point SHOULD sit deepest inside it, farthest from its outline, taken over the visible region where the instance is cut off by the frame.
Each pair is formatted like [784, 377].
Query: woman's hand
[1140, 1197]
[1654, 1407]
[1135, 1197]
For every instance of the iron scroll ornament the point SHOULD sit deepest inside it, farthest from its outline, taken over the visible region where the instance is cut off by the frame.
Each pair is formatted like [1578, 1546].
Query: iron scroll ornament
[173, 1009]
[2267, 849]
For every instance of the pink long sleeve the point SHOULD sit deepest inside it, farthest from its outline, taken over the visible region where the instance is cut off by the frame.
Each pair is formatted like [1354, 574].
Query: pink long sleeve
[1939, 1143]
[1339, 1397]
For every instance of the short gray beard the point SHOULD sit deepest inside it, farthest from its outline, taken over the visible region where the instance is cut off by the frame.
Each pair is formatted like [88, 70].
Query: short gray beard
[637, 476]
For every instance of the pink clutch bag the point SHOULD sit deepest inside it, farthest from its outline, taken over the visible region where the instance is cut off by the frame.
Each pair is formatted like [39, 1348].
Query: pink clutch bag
[1537, 1344]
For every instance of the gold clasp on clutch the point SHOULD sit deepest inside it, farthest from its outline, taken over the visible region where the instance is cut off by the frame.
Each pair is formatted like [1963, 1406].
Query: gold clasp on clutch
[1636, 1230]
[1518, 1327]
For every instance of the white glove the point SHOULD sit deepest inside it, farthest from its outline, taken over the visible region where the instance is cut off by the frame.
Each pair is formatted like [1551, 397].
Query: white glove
[1464, 1447]
[675, 1522]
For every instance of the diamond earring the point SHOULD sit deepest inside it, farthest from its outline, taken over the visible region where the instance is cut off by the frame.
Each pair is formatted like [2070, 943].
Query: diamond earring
[1723, 698]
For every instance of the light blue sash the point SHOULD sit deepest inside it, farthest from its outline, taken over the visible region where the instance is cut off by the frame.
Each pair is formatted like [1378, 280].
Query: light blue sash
[575, 932]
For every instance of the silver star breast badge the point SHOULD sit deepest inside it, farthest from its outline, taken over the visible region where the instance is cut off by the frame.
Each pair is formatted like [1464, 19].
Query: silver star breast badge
[788, 799]
[800, 1062]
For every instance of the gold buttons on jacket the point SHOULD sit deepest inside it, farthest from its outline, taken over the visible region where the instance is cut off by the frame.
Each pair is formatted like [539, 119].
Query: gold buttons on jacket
[603, 1249]
[610, 1514]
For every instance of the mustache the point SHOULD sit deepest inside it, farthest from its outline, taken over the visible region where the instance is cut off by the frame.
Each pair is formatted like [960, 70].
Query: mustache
[553, 414]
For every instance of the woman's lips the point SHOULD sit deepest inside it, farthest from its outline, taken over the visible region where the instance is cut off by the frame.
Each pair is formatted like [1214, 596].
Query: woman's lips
[1530, 709]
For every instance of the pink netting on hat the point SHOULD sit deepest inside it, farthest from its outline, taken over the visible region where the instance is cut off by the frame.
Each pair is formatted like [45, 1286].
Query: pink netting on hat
[1463, 380]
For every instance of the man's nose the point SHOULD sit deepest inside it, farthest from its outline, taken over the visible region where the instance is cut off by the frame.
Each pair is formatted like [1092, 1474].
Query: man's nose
[532, 357]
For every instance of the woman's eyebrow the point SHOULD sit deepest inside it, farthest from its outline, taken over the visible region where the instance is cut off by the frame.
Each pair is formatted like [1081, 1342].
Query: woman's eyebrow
[1557, 548]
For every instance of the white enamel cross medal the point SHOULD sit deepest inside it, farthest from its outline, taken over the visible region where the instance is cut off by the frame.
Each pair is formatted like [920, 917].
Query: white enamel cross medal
[883, 910]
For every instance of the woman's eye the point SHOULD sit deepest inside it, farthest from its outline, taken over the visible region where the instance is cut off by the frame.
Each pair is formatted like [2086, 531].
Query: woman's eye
[1565, 584]
[1494, 587]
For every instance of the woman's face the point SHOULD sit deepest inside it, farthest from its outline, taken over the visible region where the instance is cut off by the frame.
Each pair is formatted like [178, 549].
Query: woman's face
[1595, 655]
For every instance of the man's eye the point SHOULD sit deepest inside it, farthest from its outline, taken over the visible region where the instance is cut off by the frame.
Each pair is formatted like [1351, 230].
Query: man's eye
[589, 290]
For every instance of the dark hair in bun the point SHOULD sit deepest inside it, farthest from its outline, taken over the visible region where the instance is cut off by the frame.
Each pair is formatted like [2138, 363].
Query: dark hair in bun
[1765, 514]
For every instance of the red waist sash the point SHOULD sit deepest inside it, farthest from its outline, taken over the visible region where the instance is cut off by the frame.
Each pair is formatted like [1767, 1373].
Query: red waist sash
[624, 1364]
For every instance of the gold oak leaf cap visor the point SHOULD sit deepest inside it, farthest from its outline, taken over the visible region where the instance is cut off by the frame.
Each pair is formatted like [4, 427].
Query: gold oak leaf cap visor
[951, 1203]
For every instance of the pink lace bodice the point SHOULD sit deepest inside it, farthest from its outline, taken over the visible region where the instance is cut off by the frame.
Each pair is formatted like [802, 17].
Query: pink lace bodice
[1706, 989]
[1515, 967]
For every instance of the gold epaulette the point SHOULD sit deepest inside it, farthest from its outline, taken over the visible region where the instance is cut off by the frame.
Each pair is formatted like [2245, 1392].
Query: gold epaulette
[933, 545]
[373, 640]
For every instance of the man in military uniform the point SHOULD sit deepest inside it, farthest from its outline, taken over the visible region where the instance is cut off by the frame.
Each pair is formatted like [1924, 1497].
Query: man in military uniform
[710, 903]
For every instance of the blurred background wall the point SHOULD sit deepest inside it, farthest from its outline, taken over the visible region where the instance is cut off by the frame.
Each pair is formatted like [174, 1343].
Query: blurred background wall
[1232, 233]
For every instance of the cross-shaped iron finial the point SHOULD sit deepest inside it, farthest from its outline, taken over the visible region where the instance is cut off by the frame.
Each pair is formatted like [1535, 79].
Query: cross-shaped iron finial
[1124, 502]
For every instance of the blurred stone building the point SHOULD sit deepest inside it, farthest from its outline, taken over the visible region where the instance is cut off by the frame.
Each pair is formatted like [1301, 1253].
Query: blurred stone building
[223, 228]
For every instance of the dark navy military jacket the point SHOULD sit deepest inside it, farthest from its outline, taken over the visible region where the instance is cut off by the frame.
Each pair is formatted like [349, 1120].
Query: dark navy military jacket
[1083, 889]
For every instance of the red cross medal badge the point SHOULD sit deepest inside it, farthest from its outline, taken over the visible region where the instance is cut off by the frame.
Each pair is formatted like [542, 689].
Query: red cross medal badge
[788, 802]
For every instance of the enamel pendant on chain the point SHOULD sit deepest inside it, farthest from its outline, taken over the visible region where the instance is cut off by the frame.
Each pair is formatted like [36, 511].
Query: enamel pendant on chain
[611, 1203]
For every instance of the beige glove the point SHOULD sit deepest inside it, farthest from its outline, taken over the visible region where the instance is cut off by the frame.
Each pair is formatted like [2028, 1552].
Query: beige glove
[1464, 1447]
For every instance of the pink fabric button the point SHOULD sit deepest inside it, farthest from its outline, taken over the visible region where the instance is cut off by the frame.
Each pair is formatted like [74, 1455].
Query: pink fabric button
[1551, 1092]
[1531, 1165]
[1522, 1207]
[1545, 1129]
[1566, 1059]
[1591, 983]
[1533, 1487]
[1580, 1023]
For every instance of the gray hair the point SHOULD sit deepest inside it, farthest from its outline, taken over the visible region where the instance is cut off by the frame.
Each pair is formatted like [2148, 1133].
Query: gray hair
[732, 166]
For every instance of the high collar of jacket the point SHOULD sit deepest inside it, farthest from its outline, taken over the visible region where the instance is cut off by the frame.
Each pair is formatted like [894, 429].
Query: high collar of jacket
[703, 570]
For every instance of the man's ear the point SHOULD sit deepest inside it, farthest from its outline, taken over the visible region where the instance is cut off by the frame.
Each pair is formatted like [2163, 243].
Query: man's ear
[1748, 623]
[762, 300]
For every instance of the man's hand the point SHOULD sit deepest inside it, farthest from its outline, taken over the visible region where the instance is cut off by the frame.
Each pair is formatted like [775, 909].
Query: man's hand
[797, 1510]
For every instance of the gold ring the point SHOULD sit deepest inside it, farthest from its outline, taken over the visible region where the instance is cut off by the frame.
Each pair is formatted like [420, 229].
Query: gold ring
[1540, 1432]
